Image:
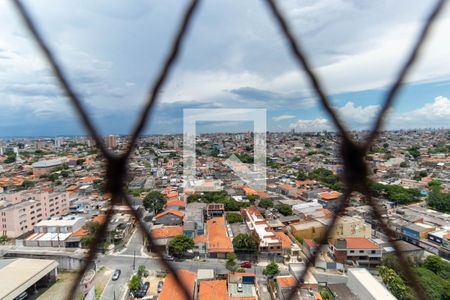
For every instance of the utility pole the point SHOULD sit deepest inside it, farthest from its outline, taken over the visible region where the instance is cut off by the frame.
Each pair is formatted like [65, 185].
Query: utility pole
[134, 259]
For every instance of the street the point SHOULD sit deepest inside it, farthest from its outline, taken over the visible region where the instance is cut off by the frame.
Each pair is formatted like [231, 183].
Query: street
[125, 260]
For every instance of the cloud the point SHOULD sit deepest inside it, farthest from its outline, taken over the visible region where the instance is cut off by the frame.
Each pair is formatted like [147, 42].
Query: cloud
[432, 115]
[318, 124]
[283, 117]
[358, 117]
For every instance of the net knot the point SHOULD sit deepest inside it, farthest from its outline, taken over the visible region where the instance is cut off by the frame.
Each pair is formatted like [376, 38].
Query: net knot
[355, 168]
[116, 172]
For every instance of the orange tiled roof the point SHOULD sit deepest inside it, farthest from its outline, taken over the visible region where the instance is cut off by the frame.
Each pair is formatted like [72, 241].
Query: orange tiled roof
[200, 239]
[218, 239]
[286, 242]
[286, 187]
[166, 232]
[213, 289]
[89, 179]
[72, 188]
[99, 219]
[172, 195]
[170, 211]
[360, 243]
[173, 291]
[332, 195]
[249, 191]
[299, 183]
[310, 243]
[286, 281]
[175, 202]
[81, 232]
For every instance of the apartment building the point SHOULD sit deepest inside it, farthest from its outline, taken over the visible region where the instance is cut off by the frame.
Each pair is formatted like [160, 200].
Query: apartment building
[269, 243]
[350, 227]
[56, 232]
[20, 211]
[356, 251]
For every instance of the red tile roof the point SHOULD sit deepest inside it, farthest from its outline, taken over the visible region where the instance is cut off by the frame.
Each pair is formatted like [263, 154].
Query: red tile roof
[218, 239]
[213, 289]
[166, 232]
[286, 281]
[173, 291]
[332, 195]
[175, 202]
[171, 211]
[360, 243]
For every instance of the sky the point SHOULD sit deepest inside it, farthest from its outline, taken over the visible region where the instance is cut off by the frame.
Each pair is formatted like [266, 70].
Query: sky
[233, 57]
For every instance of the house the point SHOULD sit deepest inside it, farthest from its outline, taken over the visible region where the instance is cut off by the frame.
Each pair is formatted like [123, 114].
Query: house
[309, 247]
[173, 291]
[169, 217]
[356, 251]
[175, 204]
[200, 246]
[194, 219]
[286, 284]
[219, 243]
[163, 234]
[270, 245]
[247, 282]
[286, 242]
[308, 230]
[213, 289]
[330, 200]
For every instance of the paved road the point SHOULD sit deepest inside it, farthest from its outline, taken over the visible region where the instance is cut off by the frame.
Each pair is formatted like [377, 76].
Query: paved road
[126, 259]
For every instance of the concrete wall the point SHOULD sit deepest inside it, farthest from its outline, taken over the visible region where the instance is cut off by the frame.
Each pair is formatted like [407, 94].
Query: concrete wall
[66, 261]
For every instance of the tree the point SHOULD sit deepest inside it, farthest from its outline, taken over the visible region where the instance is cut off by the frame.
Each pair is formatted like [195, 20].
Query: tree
[3, 239]
[252, 198]
[180, 244]
[395, 283]
[271, 269]
[86, 240]
[245, 241]
[135, 283]
[327, 178]
[233, 218]
[434, 286]
[434, 183]
[284, 209]
[10, 157]
[231, 264]
[265, 203]
[439, 200]
[413, 151]
[301, 175]
[142, 272]
[154, 201]
[438, 266]
[27, 184]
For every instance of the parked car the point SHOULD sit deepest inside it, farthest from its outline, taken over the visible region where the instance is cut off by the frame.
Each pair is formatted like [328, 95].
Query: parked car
[168, 257]
[246, 264]
[116, 274]
[240, 288]
[160, 286]
[142, 291]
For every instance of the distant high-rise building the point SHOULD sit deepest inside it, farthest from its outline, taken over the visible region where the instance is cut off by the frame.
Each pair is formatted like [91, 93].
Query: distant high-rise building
[58, 142]
[111, 141]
